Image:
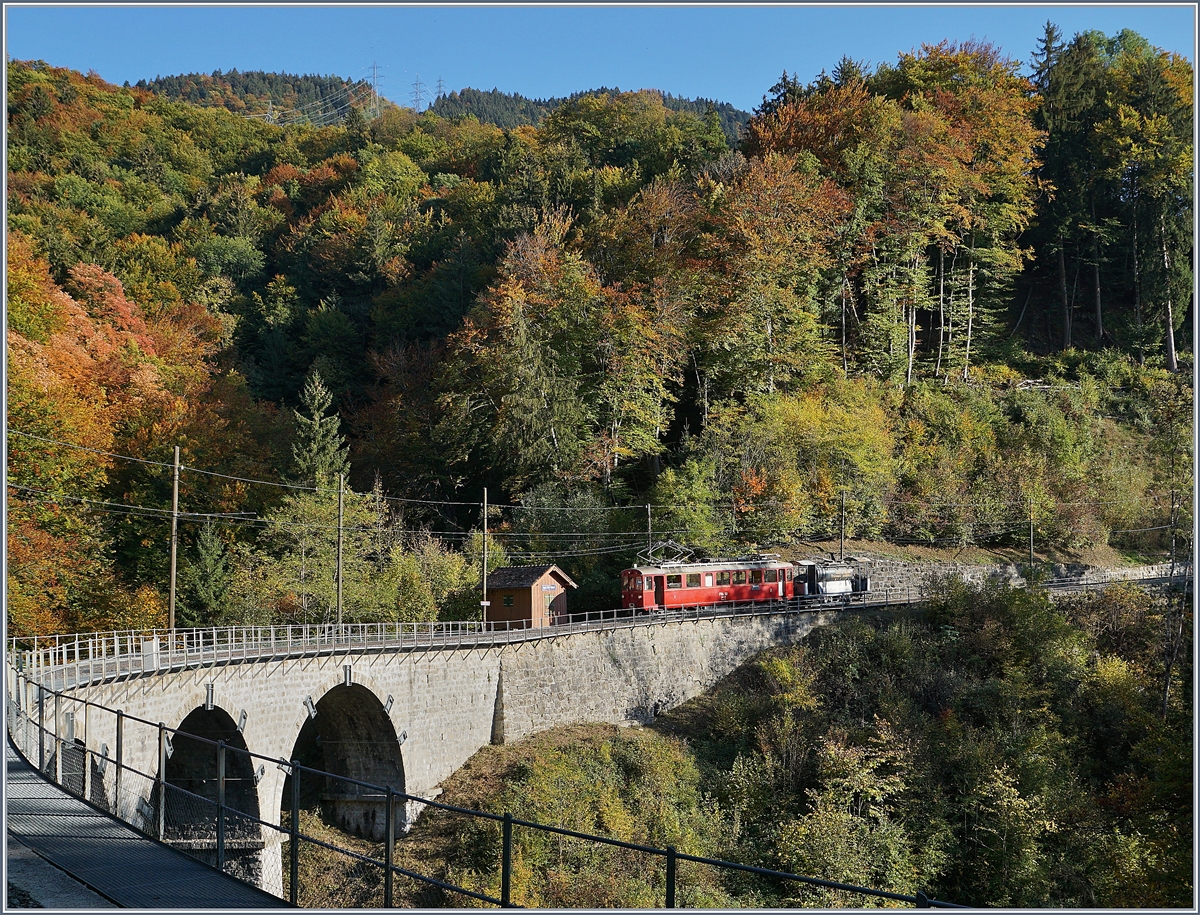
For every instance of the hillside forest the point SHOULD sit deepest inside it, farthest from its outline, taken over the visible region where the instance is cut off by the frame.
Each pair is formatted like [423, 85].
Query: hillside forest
[938, 298]
[999, 750]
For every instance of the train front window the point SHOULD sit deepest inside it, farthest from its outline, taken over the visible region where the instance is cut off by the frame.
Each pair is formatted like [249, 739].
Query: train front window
[674, 581]
[626, 581]
[771, 575]
[722, 578]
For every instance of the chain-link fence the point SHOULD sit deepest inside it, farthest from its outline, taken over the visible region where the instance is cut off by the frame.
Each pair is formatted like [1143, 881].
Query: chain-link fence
[332, 843]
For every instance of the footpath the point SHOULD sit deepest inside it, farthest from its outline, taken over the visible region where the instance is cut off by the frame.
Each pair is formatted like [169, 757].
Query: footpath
[65, 854]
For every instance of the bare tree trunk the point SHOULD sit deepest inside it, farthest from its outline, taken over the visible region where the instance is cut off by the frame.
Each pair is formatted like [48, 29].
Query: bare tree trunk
[845, 361]
[941, 308]
[1096, 268]
[1137, 282]
[1066, 305]
[970, 311]
[1172, 362]
[912, 331]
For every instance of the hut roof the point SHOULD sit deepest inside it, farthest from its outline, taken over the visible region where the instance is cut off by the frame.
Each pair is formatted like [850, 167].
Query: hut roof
[525, 576]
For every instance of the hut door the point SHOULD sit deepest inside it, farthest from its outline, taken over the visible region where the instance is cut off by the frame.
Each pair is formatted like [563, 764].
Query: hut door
[660, 591]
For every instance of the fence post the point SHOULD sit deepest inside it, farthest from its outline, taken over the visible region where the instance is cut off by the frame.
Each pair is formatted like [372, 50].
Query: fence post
[295, 850]
[922, 901]
[220, 805]
[162, 779]
[670, 876]
[57, 741]
[120, 762]
[389, 840]
[506, 862]
[41, 728]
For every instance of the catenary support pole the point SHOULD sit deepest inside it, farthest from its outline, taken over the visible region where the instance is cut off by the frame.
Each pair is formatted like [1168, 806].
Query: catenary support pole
[483, 601]
[842, 531]
[341, 489]
[174, 539]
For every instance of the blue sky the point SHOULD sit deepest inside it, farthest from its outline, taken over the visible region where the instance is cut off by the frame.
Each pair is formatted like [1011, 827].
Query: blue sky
[732, 53]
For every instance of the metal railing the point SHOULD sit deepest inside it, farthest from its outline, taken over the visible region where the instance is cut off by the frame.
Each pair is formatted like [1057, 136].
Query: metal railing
[217, 819]
[69, 661]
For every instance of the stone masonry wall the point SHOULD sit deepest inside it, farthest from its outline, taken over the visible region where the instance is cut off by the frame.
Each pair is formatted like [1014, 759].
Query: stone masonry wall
[624, 676]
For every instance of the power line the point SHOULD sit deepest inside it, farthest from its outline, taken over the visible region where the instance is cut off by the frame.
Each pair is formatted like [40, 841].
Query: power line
[894, 502]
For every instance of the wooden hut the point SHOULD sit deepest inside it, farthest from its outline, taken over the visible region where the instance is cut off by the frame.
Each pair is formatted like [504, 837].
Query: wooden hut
[527, 596]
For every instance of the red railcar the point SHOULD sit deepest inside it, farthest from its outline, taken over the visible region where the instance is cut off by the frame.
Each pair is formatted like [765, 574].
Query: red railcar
[702, 584]
[692, 584]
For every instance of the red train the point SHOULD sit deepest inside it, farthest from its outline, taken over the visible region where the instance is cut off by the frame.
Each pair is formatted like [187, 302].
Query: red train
[699, 584]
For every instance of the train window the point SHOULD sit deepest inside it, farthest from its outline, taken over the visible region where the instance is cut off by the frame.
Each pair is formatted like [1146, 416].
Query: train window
[771, 575]
[674, 581]
[693, 580]
[756, 577]
[626, 581]
[722, 578]
[708, 579]
[637, 583]
[739, 578]
[649, 583]
[789, 574]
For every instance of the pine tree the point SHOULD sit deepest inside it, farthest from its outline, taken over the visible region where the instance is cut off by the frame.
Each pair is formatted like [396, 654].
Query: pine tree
[320, 452]
[205, 580]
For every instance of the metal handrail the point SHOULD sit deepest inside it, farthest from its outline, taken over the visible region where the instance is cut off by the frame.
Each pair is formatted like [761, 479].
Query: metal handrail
[97, 657]
[294, 768]
[100, 656]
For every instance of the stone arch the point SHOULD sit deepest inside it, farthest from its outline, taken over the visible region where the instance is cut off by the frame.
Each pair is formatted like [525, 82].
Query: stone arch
[189, 809]
[352, 736]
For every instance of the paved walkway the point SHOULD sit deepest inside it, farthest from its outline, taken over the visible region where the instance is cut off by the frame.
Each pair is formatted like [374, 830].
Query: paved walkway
[108, 857]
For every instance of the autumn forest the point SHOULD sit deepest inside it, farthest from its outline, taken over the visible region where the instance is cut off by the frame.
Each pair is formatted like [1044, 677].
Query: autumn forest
[943, 294]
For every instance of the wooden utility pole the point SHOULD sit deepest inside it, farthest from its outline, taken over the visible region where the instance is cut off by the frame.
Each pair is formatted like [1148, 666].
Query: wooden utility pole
[341, 487]
[174, 539]
[484, 602]
[649, 530]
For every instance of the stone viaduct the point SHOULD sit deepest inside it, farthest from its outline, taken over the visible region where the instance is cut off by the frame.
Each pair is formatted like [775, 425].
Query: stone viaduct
[404, 717]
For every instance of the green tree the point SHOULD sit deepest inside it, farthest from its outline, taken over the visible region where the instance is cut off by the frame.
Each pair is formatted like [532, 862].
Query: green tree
[319, 454]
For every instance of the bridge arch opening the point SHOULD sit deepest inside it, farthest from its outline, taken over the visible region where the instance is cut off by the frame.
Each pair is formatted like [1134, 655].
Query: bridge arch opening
[353, 737]
[192, 780]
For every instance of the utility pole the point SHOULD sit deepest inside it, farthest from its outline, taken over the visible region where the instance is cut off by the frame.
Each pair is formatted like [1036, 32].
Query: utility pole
[649, 530]
[174, 539]
[341, 487]
[441, 87]
[484, 603]
[842, 531]
[418, 93]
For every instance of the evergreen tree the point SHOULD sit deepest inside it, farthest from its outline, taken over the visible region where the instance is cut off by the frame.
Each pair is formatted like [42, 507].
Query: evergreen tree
[206, 579]
[319, 452]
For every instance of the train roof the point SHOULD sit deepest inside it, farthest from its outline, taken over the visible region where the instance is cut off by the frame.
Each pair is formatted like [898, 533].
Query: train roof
[750, 562]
